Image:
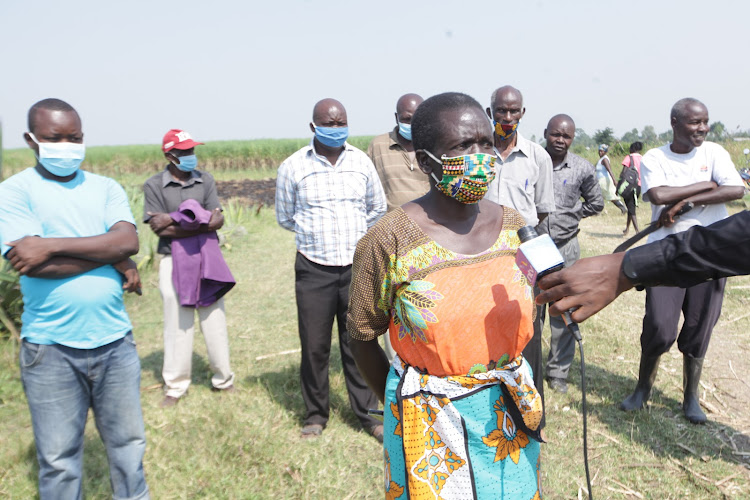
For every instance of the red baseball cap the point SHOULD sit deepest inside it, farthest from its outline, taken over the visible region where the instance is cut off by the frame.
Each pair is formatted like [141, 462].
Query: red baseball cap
[178, 139]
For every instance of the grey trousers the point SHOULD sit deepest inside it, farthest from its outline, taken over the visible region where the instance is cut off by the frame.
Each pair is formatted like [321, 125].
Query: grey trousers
[562, 347]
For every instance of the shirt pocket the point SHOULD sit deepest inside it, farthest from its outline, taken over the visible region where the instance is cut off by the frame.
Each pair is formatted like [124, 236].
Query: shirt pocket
[355, 185]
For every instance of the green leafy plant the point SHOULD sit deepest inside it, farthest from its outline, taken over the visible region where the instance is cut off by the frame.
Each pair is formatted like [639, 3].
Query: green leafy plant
[11, 303]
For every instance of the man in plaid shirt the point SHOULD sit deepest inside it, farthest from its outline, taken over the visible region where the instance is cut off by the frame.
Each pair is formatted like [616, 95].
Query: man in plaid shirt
[329, 194]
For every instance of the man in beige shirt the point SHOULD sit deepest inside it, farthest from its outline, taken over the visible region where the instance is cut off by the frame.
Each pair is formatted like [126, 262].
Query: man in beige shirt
[393, 156]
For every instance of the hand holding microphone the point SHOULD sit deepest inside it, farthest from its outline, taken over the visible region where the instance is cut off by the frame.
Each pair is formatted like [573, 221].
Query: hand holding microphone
[538, 256]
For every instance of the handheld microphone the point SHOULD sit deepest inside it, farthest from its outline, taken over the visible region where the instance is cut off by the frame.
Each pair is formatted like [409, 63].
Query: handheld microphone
[538, 256]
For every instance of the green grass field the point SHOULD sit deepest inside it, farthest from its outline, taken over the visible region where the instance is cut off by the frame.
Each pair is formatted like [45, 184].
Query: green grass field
[246, 445]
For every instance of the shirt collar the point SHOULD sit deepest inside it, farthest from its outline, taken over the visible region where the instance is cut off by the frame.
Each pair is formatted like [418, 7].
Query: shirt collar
[564, 163]
[393, 139]
[522, 145]
[166, 178]
[311, 151]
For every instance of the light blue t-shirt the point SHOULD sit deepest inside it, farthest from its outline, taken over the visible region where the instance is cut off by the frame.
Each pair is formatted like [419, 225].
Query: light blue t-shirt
[84, 311]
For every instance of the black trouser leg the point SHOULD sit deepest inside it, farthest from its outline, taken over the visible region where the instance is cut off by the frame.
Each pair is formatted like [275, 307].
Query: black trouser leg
[316, 288]
[361, 397]
[533, 354]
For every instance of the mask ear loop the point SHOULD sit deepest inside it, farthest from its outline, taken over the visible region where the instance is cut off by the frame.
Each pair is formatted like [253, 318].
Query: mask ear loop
[436, 160]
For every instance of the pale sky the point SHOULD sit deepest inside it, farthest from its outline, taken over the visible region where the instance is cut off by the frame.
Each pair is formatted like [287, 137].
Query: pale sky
[238, 69]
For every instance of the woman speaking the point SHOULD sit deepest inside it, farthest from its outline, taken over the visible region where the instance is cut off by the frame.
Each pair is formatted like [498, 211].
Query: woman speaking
[439, 276]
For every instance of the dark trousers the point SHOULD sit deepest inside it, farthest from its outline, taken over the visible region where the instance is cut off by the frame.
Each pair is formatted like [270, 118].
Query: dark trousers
[701, 306]
[322, 295]
[533, 354]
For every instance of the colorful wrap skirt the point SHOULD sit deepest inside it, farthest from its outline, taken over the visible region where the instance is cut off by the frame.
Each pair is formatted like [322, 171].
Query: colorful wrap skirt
[461, 436]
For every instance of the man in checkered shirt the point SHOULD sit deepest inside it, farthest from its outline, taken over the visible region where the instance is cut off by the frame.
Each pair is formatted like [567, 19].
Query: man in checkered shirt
[329, 194]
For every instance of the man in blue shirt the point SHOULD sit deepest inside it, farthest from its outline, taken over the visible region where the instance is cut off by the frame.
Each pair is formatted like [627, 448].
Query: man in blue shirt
[70, 233]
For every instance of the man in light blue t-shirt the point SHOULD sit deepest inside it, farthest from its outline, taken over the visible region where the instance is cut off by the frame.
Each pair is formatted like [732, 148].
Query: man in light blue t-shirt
[70, 233]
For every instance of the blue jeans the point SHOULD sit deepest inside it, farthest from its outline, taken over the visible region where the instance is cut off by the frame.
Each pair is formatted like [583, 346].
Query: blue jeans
[61, 384]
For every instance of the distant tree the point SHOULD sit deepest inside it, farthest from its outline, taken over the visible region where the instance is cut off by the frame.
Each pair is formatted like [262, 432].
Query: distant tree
[606, 136]
[716, 131]
[665, 137]
[583, 139]
[631, 136]
[648, 136]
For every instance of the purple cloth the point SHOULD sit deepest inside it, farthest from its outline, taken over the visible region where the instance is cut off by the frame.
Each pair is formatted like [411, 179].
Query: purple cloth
[199, 272]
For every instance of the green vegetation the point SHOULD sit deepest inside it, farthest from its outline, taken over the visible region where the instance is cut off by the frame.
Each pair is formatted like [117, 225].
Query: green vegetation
[217, 156]
[246, 444]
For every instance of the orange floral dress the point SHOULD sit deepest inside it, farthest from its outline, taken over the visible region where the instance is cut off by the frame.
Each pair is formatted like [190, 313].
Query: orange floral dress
[462, 412]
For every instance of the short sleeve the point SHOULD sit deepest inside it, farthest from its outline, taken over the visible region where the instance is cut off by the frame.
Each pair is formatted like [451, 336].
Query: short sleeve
[723, 171]
[151, 201]
[16, 215]
[118, 208]
[212, 196]
[652, 174]
[544, 195]
[371, 291]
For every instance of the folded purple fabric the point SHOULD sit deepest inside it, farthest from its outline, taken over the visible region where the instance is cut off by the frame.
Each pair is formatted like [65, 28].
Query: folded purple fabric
[199, 272]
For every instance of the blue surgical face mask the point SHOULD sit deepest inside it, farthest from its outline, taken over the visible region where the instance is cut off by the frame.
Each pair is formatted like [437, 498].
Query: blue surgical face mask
[60, 158]
[405, 130]
[187, 163]
[333, 137]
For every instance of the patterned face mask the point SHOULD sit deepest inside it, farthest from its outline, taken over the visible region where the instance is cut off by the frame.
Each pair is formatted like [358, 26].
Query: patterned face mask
[504, 130]
[465, 178]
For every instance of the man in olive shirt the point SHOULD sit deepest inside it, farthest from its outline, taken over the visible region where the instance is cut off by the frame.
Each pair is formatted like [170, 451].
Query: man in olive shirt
[393, 156]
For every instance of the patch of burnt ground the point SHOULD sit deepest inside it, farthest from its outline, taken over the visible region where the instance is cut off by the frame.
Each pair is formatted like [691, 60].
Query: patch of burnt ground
[254, 193]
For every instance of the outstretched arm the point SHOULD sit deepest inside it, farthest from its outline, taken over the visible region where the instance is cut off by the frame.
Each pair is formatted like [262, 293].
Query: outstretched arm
[588, 286]
[683, 259]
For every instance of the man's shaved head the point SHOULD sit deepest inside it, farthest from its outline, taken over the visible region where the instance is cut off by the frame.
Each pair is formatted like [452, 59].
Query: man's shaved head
[326, 107]
[505, 90]
[408, 101]
[50, 104]
[681, 107]
[558, 119]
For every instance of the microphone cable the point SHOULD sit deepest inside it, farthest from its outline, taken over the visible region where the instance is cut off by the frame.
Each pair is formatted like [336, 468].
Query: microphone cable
[576, 332]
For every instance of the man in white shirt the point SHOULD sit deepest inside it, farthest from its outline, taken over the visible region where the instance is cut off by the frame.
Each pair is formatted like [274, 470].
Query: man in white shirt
[329, 194]
[524, 182]
[691, 171]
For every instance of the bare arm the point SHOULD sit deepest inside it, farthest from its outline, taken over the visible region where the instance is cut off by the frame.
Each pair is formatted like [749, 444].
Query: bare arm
[119, 243]
[372, 364]
[67, 267]
[667, 195]
[606, 164]
[721, 194]
[62, 267]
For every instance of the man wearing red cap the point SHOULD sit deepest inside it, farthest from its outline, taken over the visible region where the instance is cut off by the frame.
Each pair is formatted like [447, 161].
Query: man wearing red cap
[164, 192]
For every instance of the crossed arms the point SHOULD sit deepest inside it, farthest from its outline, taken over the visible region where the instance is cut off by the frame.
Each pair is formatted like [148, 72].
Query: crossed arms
[53, 258]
